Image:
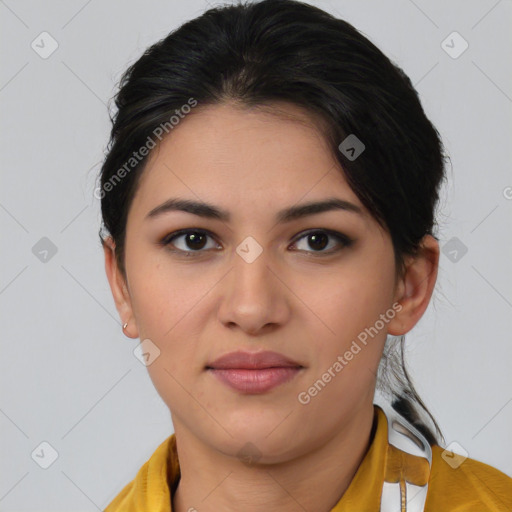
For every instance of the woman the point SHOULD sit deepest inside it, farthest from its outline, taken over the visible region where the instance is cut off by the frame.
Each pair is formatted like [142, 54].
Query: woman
[243, 140]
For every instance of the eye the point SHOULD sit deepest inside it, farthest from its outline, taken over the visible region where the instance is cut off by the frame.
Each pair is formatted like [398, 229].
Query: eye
[318, 240]
[193, 240]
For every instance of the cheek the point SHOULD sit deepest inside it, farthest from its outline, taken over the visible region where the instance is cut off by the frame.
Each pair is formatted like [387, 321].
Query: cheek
[350, 304]
[168, 312]
[160, 294]
[348, 301]
[170, 304]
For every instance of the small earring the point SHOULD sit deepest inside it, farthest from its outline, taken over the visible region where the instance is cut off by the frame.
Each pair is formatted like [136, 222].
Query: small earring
[125, 326]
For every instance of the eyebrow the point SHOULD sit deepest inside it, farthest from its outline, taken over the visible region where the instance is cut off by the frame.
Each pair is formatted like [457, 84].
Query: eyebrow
[210, 211]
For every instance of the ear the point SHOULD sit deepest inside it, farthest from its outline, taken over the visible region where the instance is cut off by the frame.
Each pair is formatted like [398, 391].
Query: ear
[415, 287]
[119, 289]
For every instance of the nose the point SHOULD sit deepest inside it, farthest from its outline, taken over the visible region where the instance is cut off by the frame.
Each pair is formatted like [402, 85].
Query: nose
[254, 297]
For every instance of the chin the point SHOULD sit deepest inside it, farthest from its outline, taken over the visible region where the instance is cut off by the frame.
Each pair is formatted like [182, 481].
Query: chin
[263, 441]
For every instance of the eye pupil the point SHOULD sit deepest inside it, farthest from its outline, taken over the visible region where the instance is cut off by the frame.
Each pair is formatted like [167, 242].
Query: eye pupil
[319, 240]
[194, 241]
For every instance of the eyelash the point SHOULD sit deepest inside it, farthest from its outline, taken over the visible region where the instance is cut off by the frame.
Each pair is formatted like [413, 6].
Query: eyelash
[343, 239]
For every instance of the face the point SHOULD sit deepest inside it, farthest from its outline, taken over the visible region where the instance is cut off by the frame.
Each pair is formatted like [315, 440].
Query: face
[306, 287]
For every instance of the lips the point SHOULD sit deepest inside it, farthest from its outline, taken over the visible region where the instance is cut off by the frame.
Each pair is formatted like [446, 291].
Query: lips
[254, 373]
[252, 361]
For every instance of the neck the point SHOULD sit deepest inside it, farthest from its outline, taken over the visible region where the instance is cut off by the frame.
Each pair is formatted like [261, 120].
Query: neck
[211, 481]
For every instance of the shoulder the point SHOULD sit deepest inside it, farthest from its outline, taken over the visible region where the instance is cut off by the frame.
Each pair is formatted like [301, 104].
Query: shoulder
[466, 485]
[149, 490]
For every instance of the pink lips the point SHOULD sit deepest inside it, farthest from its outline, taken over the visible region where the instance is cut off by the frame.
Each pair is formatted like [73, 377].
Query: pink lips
[254, 372]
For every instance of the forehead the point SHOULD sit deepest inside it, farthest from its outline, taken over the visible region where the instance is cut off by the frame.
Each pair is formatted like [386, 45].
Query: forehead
[271, 153]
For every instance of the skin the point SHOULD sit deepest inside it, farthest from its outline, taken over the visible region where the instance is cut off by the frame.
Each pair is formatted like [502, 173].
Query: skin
[291, 299]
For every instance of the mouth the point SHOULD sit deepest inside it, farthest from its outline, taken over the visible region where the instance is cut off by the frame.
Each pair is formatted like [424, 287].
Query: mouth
[253, 373]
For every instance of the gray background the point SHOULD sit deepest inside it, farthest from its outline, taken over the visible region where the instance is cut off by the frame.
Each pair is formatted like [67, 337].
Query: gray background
[68, 374]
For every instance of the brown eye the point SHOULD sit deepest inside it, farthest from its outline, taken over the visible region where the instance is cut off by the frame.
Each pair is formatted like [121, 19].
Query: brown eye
[318, 240]
[188, 241]
[195, 240]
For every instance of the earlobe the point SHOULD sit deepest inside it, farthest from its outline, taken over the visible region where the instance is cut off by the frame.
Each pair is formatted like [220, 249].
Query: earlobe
[416, 287]
[119, 290]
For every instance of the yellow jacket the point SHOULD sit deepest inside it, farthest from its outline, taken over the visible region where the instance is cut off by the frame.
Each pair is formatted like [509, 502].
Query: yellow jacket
[471, 487]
